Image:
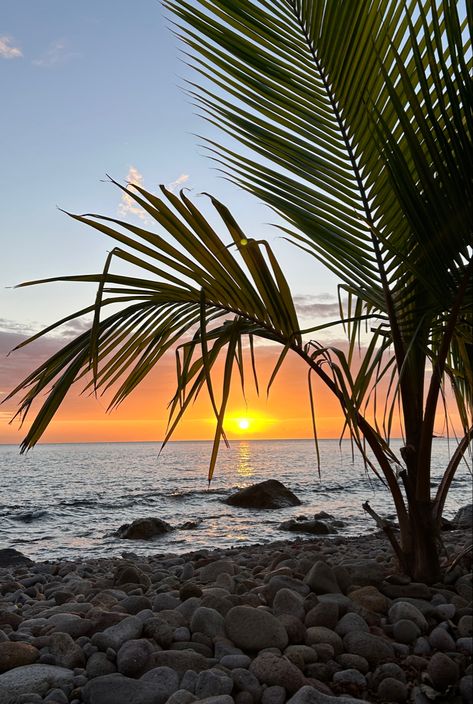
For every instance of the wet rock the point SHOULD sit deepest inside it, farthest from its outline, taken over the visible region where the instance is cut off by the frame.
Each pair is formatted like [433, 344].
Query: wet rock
[130, 574]
[254, 629]
[35, 678]
[306, 526]
[270, 494]
[16, 654]
[464, 517]
[272, 669]
[9, 557]
[443, 671]
[143, 529]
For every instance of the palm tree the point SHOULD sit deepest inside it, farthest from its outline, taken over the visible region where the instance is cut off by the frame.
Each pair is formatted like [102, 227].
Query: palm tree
[351, 120]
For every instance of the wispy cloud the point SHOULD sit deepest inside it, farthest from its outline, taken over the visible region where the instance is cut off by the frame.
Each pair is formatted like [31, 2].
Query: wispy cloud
[8, 50]
[178, 182]
[322, 305]
[127, 205]
[57, 53]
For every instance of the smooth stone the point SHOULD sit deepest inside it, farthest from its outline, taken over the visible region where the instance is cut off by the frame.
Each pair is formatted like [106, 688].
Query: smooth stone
[465, 644]
[405, 631]
[165, 681]
[143, 529]
[219, 699]
[16, 654]
[114, 636]
[322, 615]
[282, 581]
[211, 683]
[9, 557]
[72, 624]
[35, 678]
[302, 653]
[65, 651]
[208, 621]
[165, 602]
[244, 680]
[209, 573]
[440, 639]
[350, 661]
[373, 648]
[466, 689]
[98, 665]
[274, 695]
[403, 610]
[287, 601]
[414, 590]
[369, 598]
[118, 689]
[306, 526]
[320, 634]
[270, 494]
[134, 657]
[254, 629]
[272, 669]
[443, 671]
[351, 677]
[387, 669]
[181, 696]
[321, 579]
[234, 660]
[392, 690]
[134, 603]
[465, 626]
[180, 660]
[310, 695]
[464, 517]
[351, 623]
[364, 572]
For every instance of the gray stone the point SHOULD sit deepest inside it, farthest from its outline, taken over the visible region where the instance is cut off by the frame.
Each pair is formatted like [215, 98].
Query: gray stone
[212, 682]
[208, 621]
[135, 603]
[209, 573]
[269, 494]
[180, 660]
[65, 651]
[143, 529]
[404, 610]
[364, 572]
[373, 648]
[56, 696]
[466, 689]
[466, 645]
[114, 636]
[392, 690]
[189, 678]
[351, 623]
[98, 665]
[254, 629]
[387, 669]
[286, 601]
[310, 695]
[353, 662]
[118, 689]
[234, 660]
[165, 602]
[284, 581]
[181, 696]
[9, 557]
[351, 677]
[306, 526]
[274, 695]
[134, 657]
[320, 634]
[321, 579]
[219, 699]
[465, 626]
[443, 671]
[322, 615]
[35, 678]
[440, 639]
[246, 681]
[405, 631]
[164, 680]
[464, 517]
[272, 669]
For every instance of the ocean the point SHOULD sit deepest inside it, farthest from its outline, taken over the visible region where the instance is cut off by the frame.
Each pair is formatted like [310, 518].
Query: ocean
[66, 501]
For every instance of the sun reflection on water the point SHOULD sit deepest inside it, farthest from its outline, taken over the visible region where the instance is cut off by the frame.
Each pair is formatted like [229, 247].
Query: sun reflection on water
[244, 467]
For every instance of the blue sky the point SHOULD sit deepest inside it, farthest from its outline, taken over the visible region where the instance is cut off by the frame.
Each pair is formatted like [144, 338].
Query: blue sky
[92, 88]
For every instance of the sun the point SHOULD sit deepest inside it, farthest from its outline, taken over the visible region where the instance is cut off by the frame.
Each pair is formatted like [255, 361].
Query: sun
[243, 423]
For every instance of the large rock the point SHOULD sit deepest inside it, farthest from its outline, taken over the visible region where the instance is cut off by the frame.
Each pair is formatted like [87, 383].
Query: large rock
[118, 689]
[321, 579]
[65, 651]
[254, 629]
[143, 529]
[14, 654]
[35, 678]
[114, 636]
[312, 526]
[13, 558]
[269, 494]
[373, 648]
[272, 669]
[134, 657]
[180, 660]
[464, 517]
[310, 695]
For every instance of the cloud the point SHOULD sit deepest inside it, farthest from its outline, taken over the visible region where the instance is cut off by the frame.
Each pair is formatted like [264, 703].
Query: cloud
[314, 307]
[178, 182]
[57, 53]
[8, 50]
[127, 205]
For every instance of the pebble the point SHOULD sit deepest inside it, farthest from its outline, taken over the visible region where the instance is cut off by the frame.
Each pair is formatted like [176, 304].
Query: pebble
[442, 670]
[392, 690]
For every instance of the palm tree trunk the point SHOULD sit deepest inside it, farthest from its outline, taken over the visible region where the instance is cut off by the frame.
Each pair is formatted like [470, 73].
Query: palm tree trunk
[421, 547]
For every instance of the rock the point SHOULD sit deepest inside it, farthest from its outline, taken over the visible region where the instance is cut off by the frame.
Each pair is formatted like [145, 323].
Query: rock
[134, 657]
[234, 660]
[405, 631]
[354, 662]
[351, 623]
[369, 598]
[306, 526]
[254, 629]
[210, 683]
[114, 636]
[350, 677]
[180, 660]
[118, 689]
[443, 671]
[272, 669]
[414, 590]
[373, 648]
[181, 696]
[464, 517]
[465, 626]
[16, 654]
[165, 681]
[208, 621]
[134, 603]
[274, 695]
[65, 651]
[466, 689]
[295, 629]
[9, 557]
[321, 579]
[387, 669]
[130, 574]
[269, 494]
[72, 624]
[322, 615]
[35, 678]
[245, 680]
[404, 610]
[440, 639]
[287, 601]
[310, 695]
[98, 665]
[143, 529]
[320, 634]
[283, 581]
[392, 690]
[219, 699]
[364, 572]
[465, 645]
[165, 602]
[209, 573]
[159, 630]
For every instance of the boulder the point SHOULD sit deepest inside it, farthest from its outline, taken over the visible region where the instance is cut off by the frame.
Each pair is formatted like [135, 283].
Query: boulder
[13, 558]
[254, 629]
[14, 654]
[118, 689]
[272, 669]
[464, 517]
[35, 678]
[310, 695]
[143, 529]
[306, 526]
[270, 494]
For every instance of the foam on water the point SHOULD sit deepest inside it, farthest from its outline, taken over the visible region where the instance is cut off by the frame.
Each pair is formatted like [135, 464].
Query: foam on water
[67, 500]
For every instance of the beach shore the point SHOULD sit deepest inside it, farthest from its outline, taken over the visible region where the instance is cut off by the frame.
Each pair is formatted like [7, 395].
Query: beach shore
[303, 621]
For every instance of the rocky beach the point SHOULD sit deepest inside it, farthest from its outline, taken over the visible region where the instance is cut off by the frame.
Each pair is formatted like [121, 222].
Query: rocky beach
[324, 620]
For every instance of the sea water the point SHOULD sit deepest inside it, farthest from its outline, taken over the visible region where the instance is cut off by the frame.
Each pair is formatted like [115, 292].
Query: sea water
[67, 500]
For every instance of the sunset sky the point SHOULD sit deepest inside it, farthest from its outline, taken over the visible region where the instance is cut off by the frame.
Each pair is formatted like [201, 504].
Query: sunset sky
[95, 88]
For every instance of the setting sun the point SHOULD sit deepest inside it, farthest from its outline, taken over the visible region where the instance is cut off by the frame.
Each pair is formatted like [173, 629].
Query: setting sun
[243, 423]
